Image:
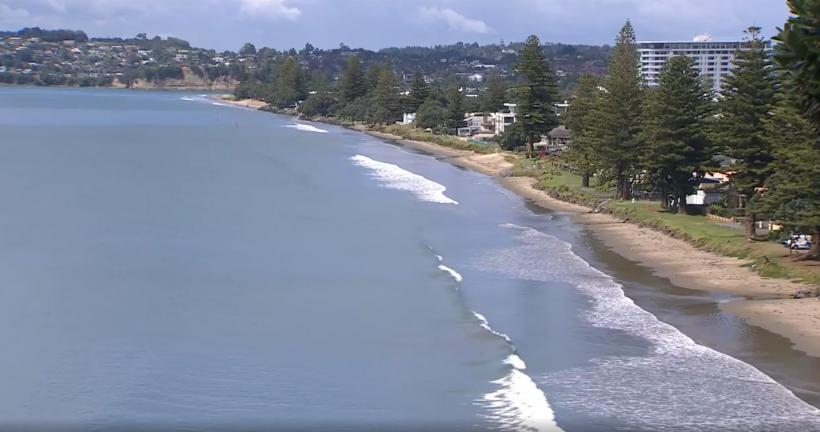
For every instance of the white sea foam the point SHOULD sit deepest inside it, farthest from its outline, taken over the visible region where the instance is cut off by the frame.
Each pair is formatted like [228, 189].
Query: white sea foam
[218, 104]
[518, 404]
[394, 177]
[680, 386]
[306, 128]
[486, 326]
[452, 272]
[188, 99]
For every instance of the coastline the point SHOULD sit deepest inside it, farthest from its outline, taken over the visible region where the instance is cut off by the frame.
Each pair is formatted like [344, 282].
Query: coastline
[767, 303]
[763, 302]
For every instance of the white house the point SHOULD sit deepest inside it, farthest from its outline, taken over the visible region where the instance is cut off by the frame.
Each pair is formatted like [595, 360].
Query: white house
[504, 118]
[408, 119]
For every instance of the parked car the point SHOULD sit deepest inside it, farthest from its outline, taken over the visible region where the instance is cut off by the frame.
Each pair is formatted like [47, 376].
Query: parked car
[798, 242]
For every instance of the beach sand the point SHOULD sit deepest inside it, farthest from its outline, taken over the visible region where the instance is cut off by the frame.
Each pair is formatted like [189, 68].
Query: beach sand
[769, 303]
[247, 103]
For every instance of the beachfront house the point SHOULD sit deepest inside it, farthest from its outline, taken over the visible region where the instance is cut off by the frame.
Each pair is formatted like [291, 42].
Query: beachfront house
[504, 118]
[408, 119]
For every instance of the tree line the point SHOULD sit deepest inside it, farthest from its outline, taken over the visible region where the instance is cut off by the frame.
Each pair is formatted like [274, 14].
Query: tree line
[666, 139]
[374, 94]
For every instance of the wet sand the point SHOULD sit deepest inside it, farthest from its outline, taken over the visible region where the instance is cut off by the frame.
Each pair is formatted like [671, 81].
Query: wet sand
[764, 302]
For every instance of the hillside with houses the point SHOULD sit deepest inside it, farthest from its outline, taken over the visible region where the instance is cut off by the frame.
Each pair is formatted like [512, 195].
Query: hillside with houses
[34, 56]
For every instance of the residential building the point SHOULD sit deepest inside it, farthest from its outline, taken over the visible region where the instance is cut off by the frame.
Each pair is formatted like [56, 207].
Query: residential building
[504, 118]
[408, 118]
[556, 141]
[712, 59]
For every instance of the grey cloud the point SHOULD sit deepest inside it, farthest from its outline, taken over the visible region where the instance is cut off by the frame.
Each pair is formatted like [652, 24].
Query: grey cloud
[227, 24]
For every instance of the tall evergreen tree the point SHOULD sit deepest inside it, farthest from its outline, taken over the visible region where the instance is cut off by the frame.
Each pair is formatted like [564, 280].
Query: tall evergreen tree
[675, 125]
[289, 84]
[386, 101]
[418, 92]
[537, 94]
[455, 110]
[374, 73]
[799, 56]
[580, 118]
[749, 95]
[619, 112]
[495, 96]
[353, 84]
[792, 193]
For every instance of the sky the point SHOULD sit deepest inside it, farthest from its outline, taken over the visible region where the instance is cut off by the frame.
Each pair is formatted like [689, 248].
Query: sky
[373, 24]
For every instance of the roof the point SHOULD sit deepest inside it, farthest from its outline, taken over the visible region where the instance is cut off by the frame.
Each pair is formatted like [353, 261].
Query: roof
[559, 132]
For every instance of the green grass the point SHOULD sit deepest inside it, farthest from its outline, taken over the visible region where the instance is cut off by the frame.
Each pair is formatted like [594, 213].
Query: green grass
[708, 235]
[414, 134]
[696, 230]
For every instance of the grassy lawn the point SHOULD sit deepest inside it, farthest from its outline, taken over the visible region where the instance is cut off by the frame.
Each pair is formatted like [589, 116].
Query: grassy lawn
[708, 235]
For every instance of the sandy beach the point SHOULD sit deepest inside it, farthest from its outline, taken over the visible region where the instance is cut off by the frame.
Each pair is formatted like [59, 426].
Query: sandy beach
[247, 103]
[768, 302]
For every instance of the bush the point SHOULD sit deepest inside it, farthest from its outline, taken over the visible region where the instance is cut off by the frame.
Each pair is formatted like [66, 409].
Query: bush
[717, 210]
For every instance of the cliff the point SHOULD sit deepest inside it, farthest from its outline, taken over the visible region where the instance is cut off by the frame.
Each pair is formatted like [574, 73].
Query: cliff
[190, 81]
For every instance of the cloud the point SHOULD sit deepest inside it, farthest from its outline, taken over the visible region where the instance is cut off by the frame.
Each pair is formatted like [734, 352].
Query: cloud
[270, 9]
[454, 20]
[8, 14]
[12, 18]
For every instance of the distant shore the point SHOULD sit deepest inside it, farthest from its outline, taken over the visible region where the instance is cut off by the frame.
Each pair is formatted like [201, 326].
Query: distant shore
[763, 302]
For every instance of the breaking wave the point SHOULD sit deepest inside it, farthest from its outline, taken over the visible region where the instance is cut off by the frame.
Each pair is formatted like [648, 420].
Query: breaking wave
[306, 128]
[394, 177]
[651, 392]
[518, 404]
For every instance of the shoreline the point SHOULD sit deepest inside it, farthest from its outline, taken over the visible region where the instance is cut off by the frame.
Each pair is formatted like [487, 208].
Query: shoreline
[767, 303]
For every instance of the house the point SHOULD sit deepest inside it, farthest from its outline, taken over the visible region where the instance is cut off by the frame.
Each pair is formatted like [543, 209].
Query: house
[708, 192]
[408, 118]
[504, 118]
[476, 77]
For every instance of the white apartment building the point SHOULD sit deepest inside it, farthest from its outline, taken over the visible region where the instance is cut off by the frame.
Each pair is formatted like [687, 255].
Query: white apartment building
[712, 59]
[504, 118]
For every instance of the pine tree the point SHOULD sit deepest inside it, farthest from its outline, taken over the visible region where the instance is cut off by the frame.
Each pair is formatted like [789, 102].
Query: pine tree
[386, 99]
[749, 95]
[580, 118]
[495, 94]
[289, 84]
[619, 112]
[418, 92]
[374, 72]
[455, 110]
[792, 193]
[675, 125]
[538, 93]
[799, 56]
[353, 84]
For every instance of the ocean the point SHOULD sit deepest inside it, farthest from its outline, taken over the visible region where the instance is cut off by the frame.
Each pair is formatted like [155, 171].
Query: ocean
[171, 261]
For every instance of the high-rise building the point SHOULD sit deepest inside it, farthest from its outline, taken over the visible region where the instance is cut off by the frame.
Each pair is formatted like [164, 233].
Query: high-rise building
[712, 59]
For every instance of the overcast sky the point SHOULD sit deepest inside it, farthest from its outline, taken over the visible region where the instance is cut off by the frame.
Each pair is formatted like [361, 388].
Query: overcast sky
[227, 24]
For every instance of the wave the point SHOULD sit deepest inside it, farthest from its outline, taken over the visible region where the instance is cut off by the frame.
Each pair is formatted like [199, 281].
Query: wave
[394, 177]
[188, 99]
[518, 404]
[728, 393]
[306, 128]
[452, 272]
